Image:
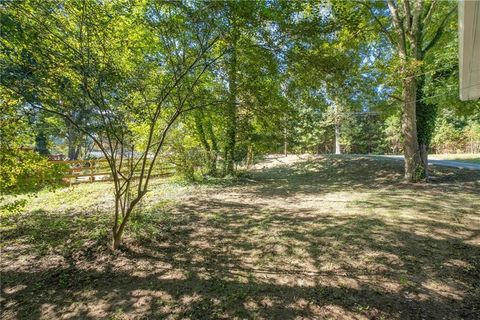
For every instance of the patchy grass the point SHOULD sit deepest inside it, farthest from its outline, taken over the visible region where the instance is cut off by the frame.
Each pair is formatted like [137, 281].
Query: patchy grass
[338, 237]
[462, 157]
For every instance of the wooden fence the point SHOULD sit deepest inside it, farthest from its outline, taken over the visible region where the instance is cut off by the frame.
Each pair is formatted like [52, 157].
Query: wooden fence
[79, 171]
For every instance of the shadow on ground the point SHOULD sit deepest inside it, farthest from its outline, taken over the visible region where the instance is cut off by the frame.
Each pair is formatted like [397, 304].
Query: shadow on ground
[337, 238]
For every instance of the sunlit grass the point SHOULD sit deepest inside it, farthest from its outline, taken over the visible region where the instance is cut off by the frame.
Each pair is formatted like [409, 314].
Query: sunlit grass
[463, 157]
[323, 237]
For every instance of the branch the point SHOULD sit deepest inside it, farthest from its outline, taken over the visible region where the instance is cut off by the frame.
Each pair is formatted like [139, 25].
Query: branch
[177, 81]
[438, 33]
[429, 13]
[170, 122]
[110, 159]
[379, 22]
[69, 119]
[46, 27]
[398, 29]
[157, 151]
[415, 24]
[407, 23]
[199, 106]
[395, 97]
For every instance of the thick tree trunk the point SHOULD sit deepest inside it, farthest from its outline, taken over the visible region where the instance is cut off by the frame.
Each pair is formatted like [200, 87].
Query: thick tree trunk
[71, 151]
[413, 163]
[426, 115]
[407, 24]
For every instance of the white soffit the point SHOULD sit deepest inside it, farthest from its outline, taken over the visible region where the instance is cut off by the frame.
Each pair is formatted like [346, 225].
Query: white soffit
[469, 51]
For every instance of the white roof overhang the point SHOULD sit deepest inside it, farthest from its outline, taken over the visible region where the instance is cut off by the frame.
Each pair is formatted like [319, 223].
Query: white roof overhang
[469, 51]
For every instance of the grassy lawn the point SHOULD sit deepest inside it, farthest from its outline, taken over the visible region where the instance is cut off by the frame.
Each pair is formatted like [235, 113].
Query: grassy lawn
[325, 238]
[465, 157]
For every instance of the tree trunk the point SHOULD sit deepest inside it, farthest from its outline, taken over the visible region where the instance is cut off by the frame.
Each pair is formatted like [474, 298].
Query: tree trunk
[73, 150]
[249, 161]
[214, 150]
[285, 143]
[117, 237]
[337, 128]
[77, 151]
[413, 163]
[200, 124]
[232, 107]
[337, 139]
[73, 147]
[41, 144]
[118, 226]
[424, 157]
[426, 115]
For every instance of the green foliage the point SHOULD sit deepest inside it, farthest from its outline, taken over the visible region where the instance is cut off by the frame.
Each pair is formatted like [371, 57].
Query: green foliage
[185, 154]
[26, 171]
[312, 129]
[364, 134]
[456, 135]
[21, 168]
[393, 134]
[41, 144]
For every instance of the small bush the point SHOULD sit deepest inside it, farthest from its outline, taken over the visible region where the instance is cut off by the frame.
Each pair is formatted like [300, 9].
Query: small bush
[26, 171]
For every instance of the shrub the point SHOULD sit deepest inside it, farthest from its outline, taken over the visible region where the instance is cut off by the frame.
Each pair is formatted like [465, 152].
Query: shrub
[26, 171]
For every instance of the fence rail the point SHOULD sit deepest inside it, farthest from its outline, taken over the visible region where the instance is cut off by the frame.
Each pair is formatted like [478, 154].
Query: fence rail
[79, 171]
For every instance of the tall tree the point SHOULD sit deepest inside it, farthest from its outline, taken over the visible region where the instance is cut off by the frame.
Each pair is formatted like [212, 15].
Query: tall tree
[231, 132]
[414, 28]
[137, 65]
